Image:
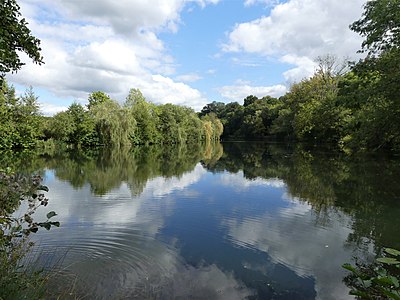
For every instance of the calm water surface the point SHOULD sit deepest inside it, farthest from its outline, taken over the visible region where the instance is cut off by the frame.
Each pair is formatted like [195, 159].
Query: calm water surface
[232, 221]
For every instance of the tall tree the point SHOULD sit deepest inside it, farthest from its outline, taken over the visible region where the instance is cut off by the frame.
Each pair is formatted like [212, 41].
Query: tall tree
[26, 115]
[249, 100]
[7, 125]
[146, 116]
[83, 133]
[60, 127]
[96, 98]
[232, 119]
[15, 37]
[380, 25]
[213, 107]
[377, 121]
[135, 96]
[19, 119]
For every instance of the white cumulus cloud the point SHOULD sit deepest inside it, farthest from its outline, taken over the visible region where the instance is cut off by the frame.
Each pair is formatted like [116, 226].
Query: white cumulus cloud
[241, 90]
[106, 45]
[265, 2]
[191, 77]
[304, 29]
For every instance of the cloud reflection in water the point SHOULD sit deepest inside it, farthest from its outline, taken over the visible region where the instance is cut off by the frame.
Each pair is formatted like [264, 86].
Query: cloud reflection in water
[112, 246]
[292, 236]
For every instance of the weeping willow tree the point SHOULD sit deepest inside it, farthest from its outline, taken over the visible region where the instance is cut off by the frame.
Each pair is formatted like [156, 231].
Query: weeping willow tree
[218, 129]
[169, 123]
[207, 131]
[138, 122]
[115, 125]
[212, 128]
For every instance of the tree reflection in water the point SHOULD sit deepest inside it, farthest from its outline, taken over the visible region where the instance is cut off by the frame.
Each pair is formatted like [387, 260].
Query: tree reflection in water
[363, 191]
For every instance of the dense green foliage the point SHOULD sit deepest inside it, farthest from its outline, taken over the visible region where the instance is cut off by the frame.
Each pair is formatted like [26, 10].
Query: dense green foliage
[20, 125]
[379, 280]
[102, 122]
[137, 122]
[19, 129]
[15, 36]
[380, 25]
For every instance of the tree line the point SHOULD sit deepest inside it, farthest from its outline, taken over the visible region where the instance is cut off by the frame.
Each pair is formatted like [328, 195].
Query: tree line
[354, 109]
[102, 122]
[355, 106]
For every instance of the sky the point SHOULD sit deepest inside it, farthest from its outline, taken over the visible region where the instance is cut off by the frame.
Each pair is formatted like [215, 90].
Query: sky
[185, 52]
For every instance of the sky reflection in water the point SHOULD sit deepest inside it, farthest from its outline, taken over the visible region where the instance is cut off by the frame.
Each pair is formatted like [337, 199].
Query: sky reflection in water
[203, 231]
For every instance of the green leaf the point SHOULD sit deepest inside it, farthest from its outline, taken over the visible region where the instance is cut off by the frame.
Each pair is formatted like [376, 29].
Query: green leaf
[384, 281]
[395, 281]
[361, 294]
[388, 260]
[51, 214]
[3, 220]
[391, 295]
[392, 251]
[33, 229]
[43, 188]
[57, 224]
[349, 267]
[46, 225]
[381, 271]
[367, 283]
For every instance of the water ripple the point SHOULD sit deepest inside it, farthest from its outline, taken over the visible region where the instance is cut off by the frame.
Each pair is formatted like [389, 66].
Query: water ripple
[109, 258]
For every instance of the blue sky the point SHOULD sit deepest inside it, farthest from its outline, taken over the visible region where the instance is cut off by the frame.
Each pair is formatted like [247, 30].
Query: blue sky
[187, 52]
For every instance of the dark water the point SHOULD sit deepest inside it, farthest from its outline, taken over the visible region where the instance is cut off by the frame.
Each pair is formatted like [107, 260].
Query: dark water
[233, 221]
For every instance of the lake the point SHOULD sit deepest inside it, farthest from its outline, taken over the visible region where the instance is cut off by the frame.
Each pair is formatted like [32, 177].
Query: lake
[225, 221]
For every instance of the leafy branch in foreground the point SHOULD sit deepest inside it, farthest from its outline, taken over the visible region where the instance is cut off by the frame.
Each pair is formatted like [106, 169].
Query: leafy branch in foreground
[16, 37]
[380, 280]
[16, 280]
